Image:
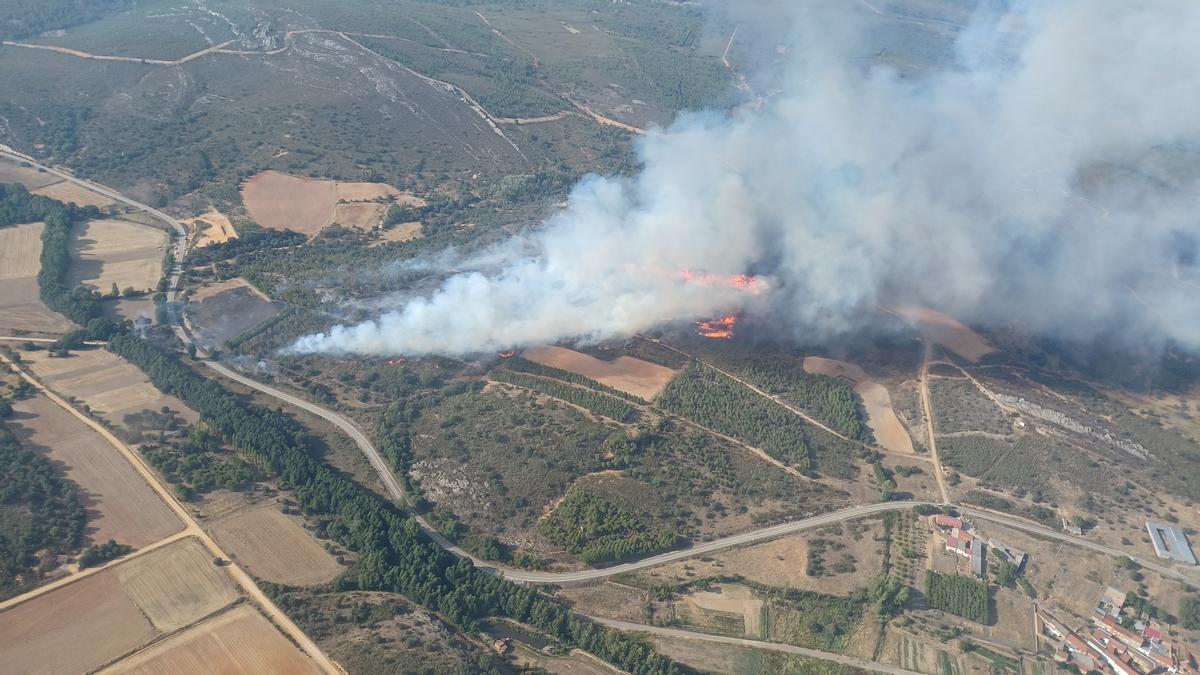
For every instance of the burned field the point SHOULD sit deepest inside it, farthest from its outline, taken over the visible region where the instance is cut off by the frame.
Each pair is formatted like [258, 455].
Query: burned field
[220, 312]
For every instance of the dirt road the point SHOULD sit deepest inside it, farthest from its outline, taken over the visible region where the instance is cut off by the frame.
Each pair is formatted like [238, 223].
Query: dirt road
[191, 529]
[928, 406]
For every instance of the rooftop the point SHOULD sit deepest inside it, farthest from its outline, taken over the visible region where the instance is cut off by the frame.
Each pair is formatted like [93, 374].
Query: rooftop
[1170, 542]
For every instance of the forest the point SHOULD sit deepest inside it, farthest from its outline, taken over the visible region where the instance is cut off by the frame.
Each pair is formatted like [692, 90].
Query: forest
[597, 530]
[605, 406]
[395, 555]
[959, 595]
[39, 509]
[22, 18]
[829, 399]
[705, 396]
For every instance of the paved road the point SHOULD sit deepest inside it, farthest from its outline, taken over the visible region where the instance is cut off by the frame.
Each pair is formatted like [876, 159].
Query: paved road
[1019, 524]
[191, 527]
[755, 644]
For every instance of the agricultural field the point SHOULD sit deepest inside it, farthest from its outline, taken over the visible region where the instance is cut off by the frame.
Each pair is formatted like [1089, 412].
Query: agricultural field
[20, 306]
[112, 252]
[118, 503]
[735, 660]
[113, 612]
[633, 376]
[307, 205]
[29, 176]
[104, 383]
[273, 546]
[886, 427]
[66, 191]
[239, 640]
[725, 608]
[220, 312]
[948, 332]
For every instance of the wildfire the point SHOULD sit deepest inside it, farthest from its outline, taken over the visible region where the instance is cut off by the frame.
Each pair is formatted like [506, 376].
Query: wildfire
[506, 355]
[747, 282]
[396, 362]
[717, 329]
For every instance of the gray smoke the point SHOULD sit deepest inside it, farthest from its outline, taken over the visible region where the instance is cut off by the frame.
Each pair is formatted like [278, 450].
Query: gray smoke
[1047, 176]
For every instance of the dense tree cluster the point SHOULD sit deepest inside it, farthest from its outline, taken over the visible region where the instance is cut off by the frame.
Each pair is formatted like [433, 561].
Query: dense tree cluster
[1189, 612]
[18, 205]
[959, 595]
[713, 400]
[394, 553]
[196, 466]
[828, 399]
[39, 509]
[102, 553]
[596, 530]
[21, 18]
[603, 405]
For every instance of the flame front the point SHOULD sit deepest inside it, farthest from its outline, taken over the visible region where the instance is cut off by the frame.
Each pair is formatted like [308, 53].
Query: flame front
[747, 282]
[717, 329]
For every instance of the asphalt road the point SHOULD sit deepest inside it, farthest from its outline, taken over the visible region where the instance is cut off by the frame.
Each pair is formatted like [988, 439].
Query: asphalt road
[855, 662]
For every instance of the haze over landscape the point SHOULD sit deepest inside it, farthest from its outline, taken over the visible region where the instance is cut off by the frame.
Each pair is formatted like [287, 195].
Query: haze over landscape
[513, 337]
[1029, 181]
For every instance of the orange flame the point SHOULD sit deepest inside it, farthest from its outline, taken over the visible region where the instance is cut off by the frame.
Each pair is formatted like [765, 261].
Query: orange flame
[717, 329]
[506, 355]
[742, 281]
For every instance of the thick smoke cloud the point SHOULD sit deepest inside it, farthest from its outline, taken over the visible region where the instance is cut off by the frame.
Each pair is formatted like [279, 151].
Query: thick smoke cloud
[1046, 177]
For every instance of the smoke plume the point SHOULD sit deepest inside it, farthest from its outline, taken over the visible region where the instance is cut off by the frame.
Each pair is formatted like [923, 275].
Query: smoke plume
[1045, 175]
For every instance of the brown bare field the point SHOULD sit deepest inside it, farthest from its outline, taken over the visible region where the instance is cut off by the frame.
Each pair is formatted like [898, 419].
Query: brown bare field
[402, 232]
[73, 629]
[176, 585]
[731, 599]
[120, 505]
[881, 417]
[31, 178]
[948, 332]
[222, 311]
[608, 599]
[108, 385]
[66, 191]
[308, 205]
[104, 252]
[274, 546]
[630, 375]
[711, 657]
[238, 641]
[213, 227]
[20, 307]
[578, 662]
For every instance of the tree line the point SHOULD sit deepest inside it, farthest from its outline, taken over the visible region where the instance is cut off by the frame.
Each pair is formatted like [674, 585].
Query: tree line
[395, 555]
[524, 365]
[605, 406]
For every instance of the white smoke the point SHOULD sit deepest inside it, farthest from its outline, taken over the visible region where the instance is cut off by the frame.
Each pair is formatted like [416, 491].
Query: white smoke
[1046, 177]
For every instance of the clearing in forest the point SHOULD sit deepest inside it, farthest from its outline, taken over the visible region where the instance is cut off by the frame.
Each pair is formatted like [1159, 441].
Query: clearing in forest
[20, 306]
[237, 641]
[213, 227]
[107, 252]
[947, 332]
[308, 205]
[119, 504]
[274, 546]
[881, 417]
[625, 373]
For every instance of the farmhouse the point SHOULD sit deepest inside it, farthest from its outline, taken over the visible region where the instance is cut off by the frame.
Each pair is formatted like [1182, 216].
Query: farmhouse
[1009, 554]
[948, 522]
[1170, 542]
